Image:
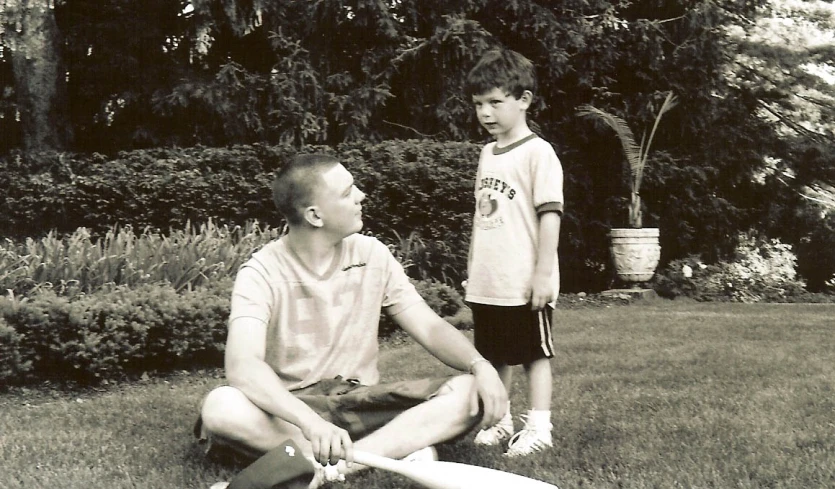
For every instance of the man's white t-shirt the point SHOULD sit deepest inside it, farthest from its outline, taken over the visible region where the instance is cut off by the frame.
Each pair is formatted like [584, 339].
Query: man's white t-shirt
[321, 326]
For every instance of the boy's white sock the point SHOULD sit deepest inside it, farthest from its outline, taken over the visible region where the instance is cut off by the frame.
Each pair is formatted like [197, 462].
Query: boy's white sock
[507, 419]
[539, 419]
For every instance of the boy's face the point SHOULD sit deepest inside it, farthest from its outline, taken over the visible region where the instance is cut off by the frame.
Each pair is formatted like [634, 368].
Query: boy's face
[502, 114]
[338, 202]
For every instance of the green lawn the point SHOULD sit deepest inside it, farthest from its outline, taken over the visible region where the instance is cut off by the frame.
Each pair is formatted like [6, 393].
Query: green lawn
[660, 395]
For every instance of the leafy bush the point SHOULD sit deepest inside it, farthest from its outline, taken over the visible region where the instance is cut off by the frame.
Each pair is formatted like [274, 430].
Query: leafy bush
[419, 191]
[816, 255]
[14, 362]
[421, 187]
[420, 197]
[114, 334]
[763, 271]
[157, 189]
[124, 332]
[441, 298]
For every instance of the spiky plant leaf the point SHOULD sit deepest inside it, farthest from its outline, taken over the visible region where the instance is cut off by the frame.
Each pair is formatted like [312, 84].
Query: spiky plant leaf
[631, 150]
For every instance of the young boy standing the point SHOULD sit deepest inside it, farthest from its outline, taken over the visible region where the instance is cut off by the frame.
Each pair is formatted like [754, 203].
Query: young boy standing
[513, 274]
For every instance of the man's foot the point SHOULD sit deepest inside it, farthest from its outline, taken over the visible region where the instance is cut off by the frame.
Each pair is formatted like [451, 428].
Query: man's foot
[532, 438]
[428, 454]
[327, 473]
[497, 433]
[335, 473]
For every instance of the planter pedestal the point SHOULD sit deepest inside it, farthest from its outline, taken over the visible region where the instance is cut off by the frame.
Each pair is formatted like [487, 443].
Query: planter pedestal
[631, 294]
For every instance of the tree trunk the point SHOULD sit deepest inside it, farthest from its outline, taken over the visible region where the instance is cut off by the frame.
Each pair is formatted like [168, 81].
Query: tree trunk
[39, 73]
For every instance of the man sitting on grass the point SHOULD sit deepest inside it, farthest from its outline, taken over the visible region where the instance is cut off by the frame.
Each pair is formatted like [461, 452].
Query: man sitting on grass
[301, 352]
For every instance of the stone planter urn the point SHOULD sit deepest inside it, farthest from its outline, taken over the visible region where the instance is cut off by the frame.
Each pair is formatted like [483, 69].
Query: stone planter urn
[635, 253]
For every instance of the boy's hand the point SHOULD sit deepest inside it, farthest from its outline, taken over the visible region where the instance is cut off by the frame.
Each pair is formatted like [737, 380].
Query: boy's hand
[542, 292]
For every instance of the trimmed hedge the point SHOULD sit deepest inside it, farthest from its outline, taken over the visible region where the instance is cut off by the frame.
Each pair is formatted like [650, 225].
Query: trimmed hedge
[412, 186]
[157, 188]
[112, 335]
[123, 333]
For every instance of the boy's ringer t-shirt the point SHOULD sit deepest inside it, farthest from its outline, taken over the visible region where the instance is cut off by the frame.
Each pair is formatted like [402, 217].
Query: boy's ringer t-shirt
[514, 185]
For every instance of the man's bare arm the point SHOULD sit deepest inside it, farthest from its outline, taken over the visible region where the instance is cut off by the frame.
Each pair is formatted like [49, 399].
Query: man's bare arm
[450, 346]
[247, 371]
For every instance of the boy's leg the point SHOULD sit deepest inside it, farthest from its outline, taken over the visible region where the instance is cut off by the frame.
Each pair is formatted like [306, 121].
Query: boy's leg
[501, 431]
[506, 374]
[536, 434]
[540, 384]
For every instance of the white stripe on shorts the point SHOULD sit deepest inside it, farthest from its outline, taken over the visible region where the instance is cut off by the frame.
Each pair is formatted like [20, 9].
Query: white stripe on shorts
[547, 343]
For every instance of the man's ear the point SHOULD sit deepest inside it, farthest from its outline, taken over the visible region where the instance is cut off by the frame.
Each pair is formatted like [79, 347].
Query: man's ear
[313, 217]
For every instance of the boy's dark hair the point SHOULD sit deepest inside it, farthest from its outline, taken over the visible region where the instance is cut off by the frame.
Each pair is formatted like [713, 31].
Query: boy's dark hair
[295, 184]
[503, 69]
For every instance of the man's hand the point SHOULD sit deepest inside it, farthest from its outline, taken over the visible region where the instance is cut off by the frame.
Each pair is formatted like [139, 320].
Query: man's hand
[542, 291]
[490, 390]
[330, 443]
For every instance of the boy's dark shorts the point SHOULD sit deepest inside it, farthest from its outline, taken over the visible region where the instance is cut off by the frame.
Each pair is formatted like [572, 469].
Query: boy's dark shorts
[359, 409]
[512, 335]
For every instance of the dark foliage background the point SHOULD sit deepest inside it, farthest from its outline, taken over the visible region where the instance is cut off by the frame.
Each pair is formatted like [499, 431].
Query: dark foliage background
[420, 197]
[259, 79]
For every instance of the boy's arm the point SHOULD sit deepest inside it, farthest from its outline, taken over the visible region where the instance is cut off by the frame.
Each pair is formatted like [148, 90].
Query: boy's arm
[542, 288]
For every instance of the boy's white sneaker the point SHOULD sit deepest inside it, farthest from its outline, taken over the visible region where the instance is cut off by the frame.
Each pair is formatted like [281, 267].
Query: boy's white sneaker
[497, 433]
[532, 438]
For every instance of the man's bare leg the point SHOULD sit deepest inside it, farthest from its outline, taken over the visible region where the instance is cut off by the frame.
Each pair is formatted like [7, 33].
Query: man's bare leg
[233, 420]
[439, 419]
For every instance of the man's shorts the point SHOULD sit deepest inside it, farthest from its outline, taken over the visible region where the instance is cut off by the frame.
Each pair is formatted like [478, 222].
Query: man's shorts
[512, 335]
[358, 409]
[363, 409]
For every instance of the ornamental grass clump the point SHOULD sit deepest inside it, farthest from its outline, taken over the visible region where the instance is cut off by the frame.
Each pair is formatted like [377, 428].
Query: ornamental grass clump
[79, 264]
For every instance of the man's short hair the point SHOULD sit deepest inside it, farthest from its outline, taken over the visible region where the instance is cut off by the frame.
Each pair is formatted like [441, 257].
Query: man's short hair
[503, 69]
[295, 184]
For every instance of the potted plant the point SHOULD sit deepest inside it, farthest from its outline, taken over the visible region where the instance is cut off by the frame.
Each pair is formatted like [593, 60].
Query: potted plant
[635, 250]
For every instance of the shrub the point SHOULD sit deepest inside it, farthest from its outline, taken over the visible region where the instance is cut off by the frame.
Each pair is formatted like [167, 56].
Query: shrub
[15, 364]
[763, 271]
[423, 187]
[114, 334]
[156, 188]
[816, 255]
[123, 332]
[441, 298]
